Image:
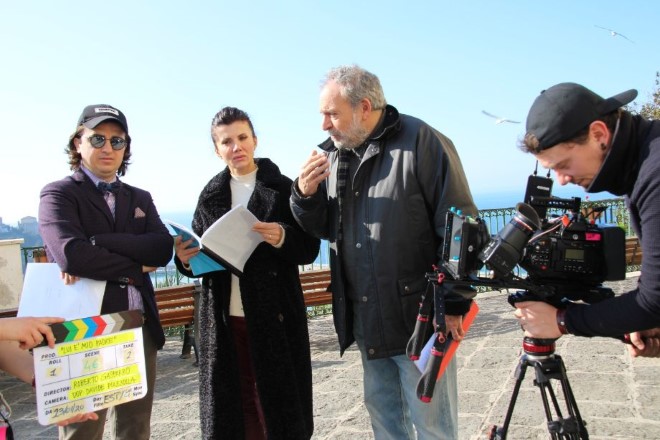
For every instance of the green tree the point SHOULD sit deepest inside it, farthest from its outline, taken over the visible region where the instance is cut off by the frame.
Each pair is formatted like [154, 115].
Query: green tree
[650, 110]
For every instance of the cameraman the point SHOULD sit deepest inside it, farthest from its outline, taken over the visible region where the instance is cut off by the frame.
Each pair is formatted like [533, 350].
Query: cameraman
[594, 143]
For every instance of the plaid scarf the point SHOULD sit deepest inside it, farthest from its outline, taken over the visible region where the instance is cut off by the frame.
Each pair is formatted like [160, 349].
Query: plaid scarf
[342, 179]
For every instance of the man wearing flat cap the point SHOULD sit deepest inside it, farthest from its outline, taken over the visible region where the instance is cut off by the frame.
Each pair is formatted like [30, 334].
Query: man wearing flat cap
[593, 142]
[94, 226]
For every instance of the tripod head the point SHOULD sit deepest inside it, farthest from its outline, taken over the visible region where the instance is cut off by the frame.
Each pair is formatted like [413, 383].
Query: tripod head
[538, 348]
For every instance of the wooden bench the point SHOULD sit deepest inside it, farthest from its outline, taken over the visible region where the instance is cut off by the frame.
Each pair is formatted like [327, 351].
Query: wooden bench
[633, 252]
[176, 304]
[176, 307]
[315, 285]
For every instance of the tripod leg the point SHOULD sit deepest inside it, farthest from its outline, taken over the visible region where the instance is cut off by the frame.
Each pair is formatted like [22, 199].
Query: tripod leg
[571, 403]
[571, 427]
[553, 427]
[497, 433]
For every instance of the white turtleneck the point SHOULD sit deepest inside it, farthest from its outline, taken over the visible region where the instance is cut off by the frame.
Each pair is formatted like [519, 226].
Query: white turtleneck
[242, 188]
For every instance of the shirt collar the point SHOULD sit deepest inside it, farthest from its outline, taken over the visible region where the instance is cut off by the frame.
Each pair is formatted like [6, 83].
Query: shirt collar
[93, 177]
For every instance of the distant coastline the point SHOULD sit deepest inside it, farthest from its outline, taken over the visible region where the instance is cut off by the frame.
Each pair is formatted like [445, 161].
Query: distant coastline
[509, 199]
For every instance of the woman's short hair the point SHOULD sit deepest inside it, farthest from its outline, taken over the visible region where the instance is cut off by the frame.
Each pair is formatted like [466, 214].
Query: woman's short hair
[227, 116]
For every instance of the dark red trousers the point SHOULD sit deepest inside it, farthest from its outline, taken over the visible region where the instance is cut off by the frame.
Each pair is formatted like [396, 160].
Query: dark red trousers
[255, 426]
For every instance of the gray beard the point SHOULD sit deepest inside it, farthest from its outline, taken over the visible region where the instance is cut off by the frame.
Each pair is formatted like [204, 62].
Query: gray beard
[354, 137]
[357, 137]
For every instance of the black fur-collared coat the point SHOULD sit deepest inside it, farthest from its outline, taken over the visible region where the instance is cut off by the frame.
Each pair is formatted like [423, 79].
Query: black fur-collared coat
[275, 316]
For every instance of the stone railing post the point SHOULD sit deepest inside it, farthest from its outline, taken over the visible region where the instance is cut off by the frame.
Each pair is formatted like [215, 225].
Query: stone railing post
[11, 273]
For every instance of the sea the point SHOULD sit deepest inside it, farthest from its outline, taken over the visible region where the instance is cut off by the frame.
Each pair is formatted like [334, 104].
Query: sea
[504, 199]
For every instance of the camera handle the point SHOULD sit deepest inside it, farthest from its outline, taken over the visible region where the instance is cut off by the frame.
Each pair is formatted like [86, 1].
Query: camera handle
[432, 301]
[426, 384]
[432, 304]
[421, 332]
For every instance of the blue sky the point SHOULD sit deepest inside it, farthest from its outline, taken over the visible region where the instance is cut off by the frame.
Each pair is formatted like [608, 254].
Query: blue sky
[171, 65]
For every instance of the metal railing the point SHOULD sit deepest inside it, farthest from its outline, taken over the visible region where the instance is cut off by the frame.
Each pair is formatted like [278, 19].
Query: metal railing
[35, 254]
[614, 212]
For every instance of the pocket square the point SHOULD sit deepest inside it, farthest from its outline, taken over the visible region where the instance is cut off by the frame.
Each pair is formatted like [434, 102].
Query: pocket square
[139, 213]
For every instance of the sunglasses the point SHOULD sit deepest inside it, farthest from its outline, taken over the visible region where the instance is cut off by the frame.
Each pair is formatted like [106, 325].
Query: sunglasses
[98, 141]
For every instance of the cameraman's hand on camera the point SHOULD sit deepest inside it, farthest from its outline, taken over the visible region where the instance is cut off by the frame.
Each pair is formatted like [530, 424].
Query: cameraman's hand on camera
[314, 171]
[538, 319]
[455, 326]
[645, 343]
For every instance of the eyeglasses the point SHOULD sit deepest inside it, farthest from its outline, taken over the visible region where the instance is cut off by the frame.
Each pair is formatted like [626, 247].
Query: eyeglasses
[98, 141]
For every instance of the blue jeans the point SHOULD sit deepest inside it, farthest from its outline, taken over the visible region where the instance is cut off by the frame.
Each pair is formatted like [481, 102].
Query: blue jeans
[390, 396]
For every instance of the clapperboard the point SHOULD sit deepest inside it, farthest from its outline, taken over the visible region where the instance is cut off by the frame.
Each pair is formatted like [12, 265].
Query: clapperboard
[97, 362]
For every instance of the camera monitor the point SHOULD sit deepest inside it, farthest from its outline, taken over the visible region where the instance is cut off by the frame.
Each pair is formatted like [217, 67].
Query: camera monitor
[539, 190]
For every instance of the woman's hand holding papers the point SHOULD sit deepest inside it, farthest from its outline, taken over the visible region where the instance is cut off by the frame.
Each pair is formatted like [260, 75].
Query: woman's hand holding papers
[272, 233]
[183, 251]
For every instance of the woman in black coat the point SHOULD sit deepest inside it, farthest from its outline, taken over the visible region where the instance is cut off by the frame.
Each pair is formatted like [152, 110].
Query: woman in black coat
[255, 367]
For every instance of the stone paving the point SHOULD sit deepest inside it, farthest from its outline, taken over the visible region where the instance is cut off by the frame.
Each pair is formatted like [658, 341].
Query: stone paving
[617, 396]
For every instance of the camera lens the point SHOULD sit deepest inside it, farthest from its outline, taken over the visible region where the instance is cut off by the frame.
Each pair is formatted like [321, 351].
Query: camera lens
[505, 250]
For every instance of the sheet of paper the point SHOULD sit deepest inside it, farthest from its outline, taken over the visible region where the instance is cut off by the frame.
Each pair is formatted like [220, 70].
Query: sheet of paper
[231, 237]
[45, 294]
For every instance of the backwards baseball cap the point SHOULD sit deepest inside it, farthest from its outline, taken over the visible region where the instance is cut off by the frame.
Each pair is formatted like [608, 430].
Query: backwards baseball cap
[560, 112]
[93, 115]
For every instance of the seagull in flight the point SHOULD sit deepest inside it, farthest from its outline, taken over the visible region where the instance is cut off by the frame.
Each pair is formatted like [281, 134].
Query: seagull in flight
[614, 33]
[499, 120]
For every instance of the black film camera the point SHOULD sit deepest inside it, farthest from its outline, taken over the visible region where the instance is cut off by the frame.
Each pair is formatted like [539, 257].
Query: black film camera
[563, 256]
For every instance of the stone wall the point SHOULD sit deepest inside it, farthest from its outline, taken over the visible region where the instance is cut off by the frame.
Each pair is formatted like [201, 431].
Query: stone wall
[11, 273]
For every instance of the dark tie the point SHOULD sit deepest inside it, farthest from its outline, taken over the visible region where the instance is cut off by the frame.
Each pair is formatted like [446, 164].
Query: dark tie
[109, 187]
[109, 190]
[342, 178]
